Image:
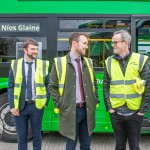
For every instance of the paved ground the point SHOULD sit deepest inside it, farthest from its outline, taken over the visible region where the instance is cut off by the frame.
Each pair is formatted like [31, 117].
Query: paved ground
[54, 141]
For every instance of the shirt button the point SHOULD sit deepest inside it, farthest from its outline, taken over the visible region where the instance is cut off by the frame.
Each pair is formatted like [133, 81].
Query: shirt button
[74, 86]
[87, 109]
[74, 98]
[74, 74]
[86, 96]
[84, 84]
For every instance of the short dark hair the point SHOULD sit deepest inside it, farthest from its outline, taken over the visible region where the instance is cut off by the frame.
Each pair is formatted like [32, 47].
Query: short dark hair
[29, 41]
[75, 37]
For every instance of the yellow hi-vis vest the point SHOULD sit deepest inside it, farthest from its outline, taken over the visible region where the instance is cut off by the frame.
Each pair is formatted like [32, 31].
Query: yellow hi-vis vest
[61, 64]
[122, 89]
[40, 73]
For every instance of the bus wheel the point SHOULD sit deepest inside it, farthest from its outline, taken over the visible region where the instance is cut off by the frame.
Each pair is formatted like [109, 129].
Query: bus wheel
[7, 125]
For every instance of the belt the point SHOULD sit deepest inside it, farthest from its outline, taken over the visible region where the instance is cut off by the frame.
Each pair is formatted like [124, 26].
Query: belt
[30, 102]
[125, 114]
[81, 105]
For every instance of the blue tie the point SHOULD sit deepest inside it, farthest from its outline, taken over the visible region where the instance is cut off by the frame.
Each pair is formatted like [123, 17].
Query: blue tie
[29, 81]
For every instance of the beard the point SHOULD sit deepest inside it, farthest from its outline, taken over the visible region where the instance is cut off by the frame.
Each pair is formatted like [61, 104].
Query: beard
[31, 56]
[81, 53]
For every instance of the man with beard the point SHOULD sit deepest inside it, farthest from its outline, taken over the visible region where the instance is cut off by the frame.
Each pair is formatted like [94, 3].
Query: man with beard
[28, 93]
[74, 91]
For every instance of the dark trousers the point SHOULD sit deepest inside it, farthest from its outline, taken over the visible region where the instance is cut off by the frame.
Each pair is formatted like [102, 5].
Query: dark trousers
[35, 115]
[81, 132]
[126, 128]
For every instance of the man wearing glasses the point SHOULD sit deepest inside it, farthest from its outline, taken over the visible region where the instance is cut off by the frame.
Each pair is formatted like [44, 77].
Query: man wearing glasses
[126, 91]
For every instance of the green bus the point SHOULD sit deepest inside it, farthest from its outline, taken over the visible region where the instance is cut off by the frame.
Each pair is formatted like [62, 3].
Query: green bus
[51, 23]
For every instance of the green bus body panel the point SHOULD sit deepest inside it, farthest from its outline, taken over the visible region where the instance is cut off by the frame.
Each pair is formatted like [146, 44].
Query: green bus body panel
[90, 7]
[3, 83]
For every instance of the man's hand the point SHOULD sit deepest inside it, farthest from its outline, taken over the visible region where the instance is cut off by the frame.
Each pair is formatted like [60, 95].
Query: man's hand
[56, 110]
[14, 112]
[111, 110]
[140, 114]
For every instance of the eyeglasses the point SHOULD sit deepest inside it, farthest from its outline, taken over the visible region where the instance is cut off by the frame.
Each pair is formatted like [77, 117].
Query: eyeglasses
[115, 43]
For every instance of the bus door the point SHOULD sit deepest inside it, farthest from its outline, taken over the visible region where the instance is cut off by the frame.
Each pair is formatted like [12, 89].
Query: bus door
[141, 37]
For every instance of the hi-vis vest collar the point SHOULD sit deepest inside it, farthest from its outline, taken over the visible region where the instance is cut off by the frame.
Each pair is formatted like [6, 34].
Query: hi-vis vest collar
[61, 62]
[122, 89]
[40, 74]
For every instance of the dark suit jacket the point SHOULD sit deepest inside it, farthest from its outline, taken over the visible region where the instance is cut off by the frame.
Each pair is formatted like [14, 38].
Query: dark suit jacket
[11, 84]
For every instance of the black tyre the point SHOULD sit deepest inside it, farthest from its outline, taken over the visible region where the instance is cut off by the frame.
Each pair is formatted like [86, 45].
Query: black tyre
[7, 125]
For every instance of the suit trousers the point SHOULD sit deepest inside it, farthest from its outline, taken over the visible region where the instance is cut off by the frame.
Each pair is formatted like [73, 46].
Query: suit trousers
[30, 112]
[126, 128]
[81, 132]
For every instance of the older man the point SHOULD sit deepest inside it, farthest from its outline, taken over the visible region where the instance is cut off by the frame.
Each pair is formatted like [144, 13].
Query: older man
[126, 91]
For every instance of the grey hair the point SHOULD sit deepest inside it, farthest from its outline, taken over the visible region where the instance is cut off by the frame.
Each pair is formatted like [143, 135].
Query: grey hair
[124, 35]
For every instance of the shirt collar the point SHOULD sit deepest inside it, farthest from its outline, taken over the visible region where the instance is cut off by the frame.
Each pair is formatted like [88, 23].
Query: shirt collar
[30, 61]
[127, 56]
[73, 57]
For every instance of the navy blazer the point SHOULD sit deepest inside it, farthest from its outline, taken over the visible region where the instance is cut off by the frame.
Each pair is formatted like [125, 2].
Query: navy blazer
[11, 84]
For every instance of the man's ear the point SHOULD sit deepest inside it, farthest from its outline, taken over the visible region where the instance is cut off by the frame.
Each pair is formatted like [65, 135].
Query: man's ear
[127, 43]
[74, 43]
[24, 49]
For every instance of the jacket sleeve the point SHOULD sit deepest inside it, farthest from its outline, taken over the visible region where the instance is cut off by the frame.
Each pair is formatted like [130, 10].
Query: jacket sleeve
[145, 75]
[47, 78]
[106, 90]
[10, 90]
[53, 86]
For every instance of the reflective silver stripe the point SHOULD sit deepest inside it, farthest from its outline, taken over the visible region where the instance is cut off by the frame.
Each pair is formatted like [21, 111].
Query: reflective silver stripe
[59, 64]
[128, 96]
[141, 62]
[39, 85]
[117, 95]
[44, 68]
[41, 96]
[15, 96]
[61, 85]
[109, 65]
[117, 82]
[15, 68]
[17, 85]
[127, 82]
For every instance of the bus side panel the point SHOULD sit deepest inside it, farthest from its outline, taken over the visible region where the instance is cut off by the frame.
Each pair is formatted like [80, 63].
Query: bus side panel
[102, 116]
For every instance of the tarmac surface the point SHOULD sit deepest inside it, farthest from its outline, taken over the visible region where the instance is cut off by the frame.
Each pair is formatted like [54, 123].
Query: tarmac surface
[54, 141]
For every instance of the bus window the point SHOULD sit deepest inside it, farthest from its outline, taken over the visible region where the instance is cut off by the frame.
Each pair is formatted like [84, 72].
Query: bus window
[78, 24]
[143, 36]
[100, 32]
[99, 48]
[117, 24]
[102, 23]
